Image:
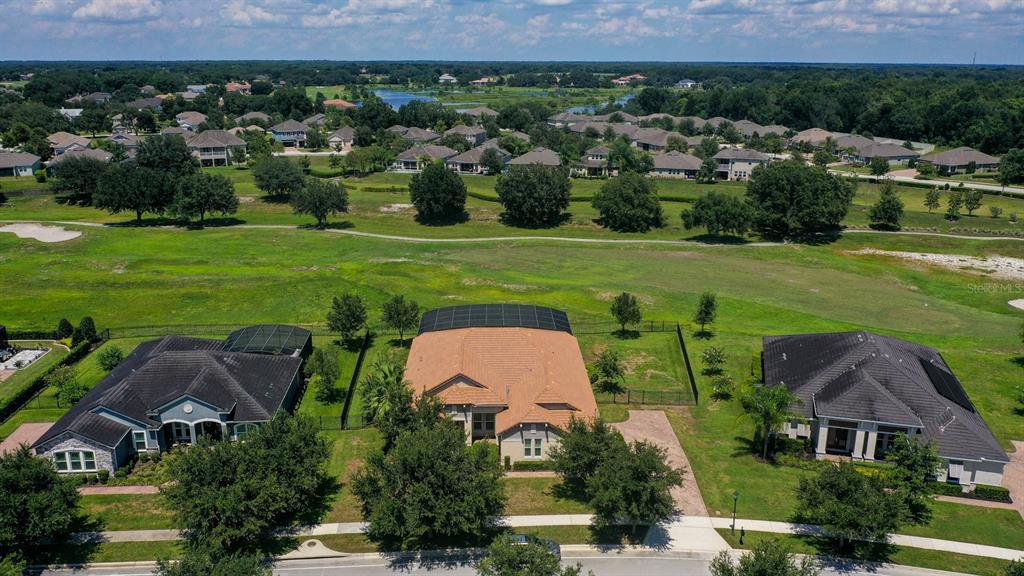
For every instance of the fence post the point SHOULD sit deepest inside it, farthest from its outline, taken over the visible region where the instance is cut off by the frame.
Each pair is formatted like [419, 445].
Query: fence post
[643, 396]
[627, 395]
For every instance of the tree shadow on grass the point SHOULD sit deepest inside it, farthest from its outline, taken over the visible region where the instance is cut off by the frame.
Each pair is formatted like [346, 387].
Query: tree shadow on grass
[727, 240]
[77, 550]
[627, 334]
[443, 221]
[562, 218]
[857, 556]
[1018, 360]
[703, 334]
[222, 222]
[339, 225]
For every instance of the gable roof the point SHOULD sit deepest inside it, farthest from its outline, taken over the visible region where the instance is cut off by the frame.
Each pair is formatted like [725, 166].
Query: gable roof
[289, 126]
[961, 156]
[214, 139]
[190, 117]
[884, 150]
[417, 134]
[741, 154]
[17, 159]
[654, 136]
[537, 375]
[541, 156]
[480, 111]
[675, 160]
[251, 387]
[463, 130]
[853, 141]
[143, 103]
[865, 376]
[343, 133]
[261, 116]
[473, 155]
[94, 153]
[315, 120]
[65, 139]
[812, 136]
[429, 150]
[748, 127]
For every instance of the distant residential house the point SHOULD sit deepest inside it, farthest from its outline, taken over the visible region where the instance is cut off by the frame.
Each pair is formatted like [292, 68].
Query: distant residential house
[317, 120]
[698, 122]
[338, 103]
[342, 139]
[520, 135]
[813, 137]
[238, 87]
[177, 389]
[61, 142]
[960, 160]
[197, 88]
[776, 129]
[129, 142]
[187, 96]
[469, 161]
[397, 129]
[687, 84]
[175, 130]
[748, 128]
[485, 81]
[238, 130]
[848, 143]
[653, 139]
[190, 120]
[70, 113]
[738, 163]
[419, 135]
[480, 112]
[541, 156]
[249, 117]
[511, 375]
[564, 119]
[659, 117]
[447, 79]
[214, 147]
[617, 117]
[53, 165]
[98, 97]
[716, 122]
[18, 164]
[475, 135]
[148, 89]
[859, 390]
[291, 133]
[891, 153]
[416, 158]
[594, 163]
[628, 80]
[675, 164]
[155, 104]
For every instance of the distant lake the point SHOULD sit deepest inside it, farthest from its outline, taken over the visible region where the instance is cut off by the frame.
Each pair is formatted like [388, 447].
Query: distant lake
[592, 109]
[396, 99]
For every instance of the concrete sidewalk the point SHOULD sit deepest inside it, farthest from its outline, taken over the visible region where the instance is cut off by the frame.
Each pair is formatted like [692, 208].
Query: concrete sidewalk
[685, 533]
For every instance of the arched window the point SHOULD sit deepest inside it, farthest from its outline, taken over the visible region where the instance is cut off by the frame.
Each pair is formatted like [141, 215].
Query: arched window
[243, 429]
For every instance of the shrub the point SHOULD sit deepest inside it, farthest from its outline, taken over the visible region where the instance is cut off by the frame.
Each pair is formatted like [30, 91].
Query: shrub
[994, 493]
[532, 465]
[508, 462]
[103, 476]
[945, 489]
[110, 357]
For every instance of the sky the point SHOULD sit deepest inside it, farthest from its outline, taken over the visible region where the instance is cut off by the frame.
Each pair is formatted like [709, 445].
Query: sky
[882, 31]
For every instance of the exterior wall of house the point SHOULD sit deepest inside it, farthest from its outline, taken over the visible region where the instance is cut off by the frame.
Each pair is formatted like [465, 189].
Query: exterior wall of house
[969, 473]
[151, 443]
[962, 169]
[674, 173]
[512, 444]
[106, 459]
[297, 139]
[20, 170]
[738, 169]
[339, 145]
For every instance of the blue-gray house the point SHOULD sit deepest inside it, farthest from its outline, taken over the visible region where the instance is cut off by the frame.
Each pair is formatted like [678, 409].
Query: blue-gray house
[176, 389]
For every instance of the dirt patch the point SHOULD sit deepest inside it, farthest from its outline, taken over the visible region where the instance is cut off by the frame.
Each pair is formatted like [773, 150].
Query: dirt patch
[40, 232]
[394, 208]
[609, 296]
[1001, 267]
[631, 362]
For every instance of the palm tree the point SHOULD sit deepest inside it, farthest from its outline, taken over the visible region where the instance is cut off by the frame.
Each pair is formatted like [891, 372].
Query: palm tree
[768, 406]
[385, 375]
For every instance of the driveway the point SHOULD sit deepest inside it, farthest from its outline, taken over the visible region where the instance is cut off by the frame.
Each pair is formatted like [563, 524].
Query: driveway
[653, 426]
[26, 433]
[1013, 475]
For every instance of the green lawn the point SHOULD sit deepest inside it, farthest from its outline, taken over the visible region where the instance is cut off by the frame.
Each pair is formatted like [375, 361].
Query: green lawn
[21, 183]
[906, 556]
[652, 361]
[349, 448]
[151, 277]
[529, 496]
[128, 511]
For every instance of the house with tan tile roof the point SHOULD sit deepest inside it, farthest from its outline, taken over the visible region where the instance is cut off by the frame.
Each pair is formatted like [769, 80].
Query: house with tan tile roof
[61, 142]
[510, 374]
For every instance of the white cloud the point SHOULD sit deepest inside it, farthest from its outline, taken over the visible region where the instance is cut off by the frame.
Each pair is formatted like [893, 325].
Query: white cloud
[363, 12]
[119, 10]
[241, 13]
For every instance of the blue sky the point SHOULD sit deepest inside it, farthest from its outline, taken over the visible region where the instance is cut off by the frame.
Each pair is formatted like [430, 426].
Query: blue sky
[927, 31]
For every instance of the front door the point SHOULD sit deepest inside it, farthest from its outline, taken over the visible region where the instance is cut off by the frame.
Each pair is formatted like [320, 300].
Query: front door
[838, 440]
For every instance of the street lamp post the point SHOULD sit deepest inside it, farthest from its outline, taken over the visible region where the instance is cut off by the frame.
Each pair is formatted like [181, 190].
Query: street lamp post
[735, 500]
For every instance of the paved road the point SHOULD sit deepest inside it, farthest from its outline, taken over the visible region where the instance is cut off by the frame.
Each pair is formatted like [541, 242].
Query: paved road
[610, 564]
[1011, 190]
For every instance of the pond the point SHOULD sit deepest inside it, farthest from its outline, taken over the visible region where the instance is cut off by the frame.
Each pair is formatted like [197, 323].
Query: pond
[396, 98]
[592, 109]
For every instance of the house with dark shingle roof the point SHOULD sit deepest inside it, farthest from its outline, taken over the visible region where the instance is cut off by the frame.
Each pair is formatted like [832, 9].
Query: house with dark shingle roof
[416, 158]
[959, 160]
[154, 103]
[176, 389]
[475, 135]
[248, 118]
[342, 139]
[418, 135]
[738, 163]
[290, 133]
[593, 163]
[675, 164]
[858, 390]
[891, 153]
[469, 162]
[541, 156]
[214, 147]
[18, 163]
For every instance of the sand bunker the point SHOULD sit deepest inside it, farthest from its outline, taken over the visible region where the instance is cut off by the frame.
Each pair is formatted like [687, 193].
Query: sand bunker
[1018, 303]
[393, 208]
[1001, 267]
[40, 232]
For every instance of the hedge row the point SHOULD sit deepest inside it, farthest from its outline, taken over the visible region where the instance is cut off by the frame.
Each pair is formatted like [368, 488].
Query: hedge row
[31, 335]
[11, 405]
[385, 189]
[532, 466]
[981, 492]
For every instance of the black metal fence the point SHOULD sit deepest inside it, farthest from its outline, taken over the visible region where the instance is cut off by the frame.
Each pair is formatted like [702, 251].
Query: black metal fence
[656, 397]
[689, 368]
